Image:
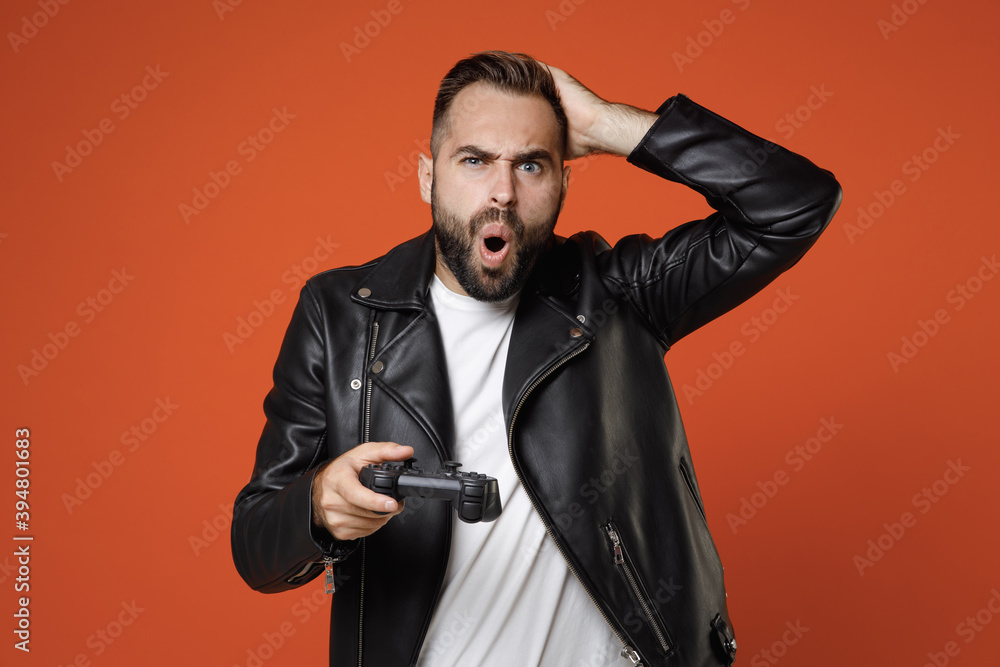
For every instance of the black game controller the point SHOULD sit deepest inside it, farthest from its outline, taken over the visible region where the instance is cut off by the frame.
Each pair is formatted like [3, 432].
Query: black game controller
[476, 497]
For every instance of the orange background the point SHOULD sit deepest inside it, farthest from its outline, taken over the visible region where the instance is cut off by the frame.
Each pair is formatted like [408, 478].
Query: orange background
[149, 546]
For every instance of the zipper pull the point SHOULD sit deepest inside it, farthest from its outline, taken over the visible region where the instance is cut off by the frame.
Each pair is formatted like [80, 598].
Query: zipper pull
[328, 563]
[619, 558]
[632, 655]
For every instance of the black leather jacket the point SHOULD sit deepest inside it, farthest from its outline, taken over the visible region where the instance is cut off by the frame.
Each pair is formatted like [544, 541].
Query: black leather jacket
[593, 425]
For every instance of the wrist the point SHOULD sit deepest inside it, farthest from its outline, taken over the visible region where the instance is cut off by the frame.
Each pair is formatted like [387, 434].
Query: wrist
[620, 128]
[316, 497]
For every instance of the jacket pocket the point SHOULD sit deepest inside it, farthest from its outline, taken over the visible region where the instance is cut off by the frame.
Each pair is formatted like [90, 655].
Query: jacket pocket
[696, 498]
[624, 565]
[689, 482]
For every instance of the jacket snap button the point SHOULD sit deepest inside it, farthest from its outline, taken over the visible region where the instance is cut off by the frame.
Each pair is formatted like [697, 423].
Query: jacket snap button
[364, 292]
[377, 367]
[355, 383]
[581, 319]
[576, 332]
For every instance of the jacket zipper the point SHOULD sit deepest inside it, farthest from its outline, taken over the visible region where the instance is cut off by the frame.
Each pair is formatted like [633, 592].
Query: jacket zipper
[621, 560]
[368, 388]
[366, 435]
[627, 651]
[328, 568]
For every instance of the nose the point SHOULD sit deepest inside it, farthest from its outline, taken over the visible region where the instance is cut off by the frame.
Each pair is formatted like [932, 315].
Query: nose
[503, 192]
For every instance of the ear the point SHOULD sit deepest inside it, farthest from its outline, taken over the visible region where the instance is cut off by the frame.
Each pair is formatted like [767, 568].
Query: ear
[425, 174]
[565, 185]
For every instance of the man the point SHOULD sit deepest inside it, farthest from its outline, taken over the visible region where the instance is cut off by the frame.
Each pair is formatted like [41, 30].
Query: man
[536, 359]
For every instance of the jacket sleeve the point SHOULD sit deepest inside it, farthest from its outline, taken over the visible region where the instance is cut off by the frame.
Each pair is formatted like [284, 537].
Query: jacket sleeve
[770, 207]
[275, 544]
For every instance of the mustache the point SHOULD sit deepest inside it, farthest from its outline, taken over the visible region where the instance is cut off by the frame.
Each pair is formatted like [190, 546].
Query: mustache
[504, 216]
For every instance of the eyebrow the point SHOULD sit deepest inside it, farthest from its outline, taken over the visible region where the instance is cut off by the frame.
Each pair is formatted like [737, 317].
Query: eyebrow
[471, 150]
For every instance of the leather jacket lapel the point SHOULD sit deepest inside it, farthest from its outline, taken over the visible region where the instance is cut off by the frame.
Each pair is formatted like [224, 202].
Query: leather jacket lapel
[408, 362]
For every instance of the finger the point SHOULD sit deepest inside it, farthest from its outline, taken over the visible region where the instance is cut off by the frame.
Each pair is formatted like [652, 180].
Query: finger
[367, 504]
[377, 452]
[343, 507]
[349, 528]
[356, 494]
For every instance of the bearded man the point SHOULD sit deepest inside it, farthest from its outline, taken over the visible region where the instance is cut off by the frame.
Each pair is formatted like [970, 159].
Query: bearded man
[533, 358]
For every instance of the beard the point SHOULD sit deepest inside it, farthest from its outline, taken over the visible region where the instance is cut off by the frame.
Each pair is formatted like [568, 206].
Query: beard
[458, 246]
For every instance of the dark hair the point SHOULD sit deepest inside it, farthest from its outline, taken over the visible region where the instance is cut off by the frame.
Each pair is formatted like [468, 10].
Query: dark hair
[515, 73]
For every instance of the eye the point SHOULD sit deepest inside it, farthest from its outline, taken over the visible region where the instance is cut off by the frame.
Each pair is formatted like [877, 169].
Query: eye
[472, 160]
[531, 167]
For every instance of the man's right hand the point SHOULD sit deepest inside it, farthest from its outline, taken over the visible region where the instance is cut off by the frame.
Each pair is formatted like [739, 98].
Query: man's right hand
[342, 504]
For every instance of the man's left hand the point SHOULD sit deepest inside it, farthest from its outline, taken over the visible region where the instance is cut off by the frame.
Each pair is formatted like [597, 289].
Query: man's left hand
[596, 125]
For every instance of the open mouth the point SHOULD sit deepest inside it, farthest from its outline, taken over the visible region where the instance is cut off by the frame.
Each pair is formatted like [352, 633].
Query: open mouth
[494, 243]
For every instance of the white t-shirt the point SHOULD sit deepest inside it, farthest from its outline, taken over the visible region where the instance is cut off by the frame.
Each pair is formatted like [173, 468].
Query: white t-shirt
[509, 597]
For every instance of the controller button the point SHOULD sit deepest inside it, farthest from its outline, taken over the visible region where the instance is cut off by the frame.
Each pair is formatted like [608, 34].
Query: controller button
[475, 491]
[472, 511]
[383, 482]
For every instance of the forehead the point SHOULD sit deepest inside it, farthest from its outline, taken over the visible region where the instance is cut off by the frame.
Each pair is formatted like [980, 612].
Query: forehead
[485, 116]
